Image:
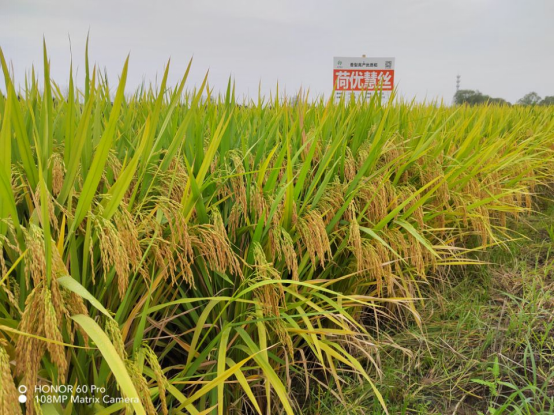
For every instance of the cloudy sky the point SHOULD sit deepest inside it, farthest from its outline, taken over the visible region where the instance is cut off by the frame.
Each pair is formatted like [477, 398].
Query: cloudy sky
[504, 48]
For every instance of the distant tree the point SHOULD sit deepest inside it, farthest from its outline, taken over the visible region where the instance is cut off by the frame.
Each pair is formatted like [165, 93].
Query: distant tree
[547, 100]
[531, 98]
[474, 97]
[499, 101]
[470, 97]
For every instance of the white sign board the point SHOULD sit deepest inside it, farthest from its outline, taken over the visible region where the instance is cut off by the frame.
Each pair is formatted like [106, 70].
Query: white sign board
[356, 76]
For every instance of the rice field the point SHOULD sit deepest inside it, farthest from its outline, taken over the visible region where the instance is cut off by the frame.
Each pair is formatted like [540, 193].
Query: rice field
[164, 253]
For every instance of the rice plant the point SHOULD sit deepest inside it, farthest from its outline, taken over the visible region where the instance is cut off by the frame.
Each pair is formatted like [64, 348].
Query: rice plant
[190, 255]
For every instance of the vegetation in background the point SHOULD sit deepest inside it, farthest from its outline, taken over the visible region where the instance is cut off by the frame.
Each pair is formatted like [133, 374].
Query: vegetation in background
[472, 97]
[203, 257]
[533, 98]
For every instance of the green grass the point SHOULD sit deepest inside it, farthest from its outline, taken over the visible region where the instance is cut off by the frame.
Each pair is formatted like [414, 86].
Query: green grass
[486, 344]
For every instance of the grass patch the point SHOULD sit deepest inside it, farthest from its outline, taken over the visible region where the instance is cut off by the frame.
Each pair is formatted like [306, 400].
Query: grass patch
[486, 344]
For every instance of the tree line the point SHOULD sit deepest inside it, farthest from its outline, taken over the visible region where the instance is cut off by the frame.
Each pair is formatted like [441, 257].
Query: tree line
[475, 97]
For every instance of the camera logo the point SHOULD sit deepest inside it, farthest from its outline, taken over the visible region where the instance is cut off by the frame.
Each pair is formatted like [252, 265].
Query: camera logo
[22, 390]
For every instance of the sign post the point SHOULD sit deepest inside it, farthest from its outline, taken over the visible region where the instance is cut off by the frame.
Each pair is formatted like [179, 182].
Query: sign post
[356, 76]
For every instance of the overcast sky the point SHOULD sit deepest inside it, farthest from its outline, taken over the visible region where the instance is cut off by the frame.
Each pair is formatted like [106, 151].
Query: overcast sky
[504, 48]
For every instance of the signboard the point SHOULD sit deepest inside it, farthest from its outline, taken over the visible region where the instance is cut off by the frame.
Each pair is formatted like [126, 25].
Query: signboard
[356, 76]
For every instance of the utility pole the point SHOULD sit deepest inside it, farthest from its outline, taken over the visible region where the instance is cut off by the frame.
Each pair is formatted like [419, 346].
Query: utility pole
[457, 89]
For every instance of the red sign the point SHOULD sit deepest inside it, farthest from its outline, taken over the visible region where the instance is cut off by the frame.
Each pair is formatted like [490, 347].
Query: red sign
[363, 79]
